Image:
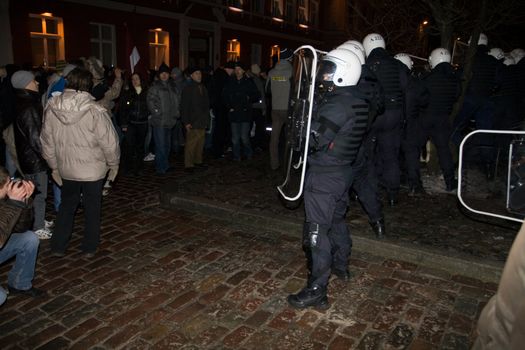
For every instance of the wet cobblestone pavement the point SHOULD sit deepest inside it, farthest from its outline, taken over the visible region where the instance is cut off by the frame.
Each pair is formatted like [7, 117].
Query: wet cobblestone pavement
[435, 220]
[165, 279]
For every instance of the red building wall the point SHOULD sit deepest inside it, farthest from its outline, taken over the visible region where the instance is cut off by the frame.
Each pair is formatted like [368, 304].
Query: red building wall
[76, 18]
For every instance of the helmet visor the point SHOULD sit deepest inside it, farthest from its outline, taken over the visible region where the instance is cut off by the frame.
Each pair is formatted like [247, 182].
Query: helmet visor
[326, 71]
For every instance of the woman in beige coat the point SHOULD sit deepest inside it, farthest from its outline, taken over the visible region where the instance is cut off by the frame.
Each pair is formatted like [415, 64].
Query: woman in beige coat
[80, 145]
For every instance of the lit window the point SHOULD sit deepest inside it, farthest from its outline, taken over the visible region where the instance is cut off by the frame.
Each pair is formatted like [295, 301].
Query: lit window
[236, 5]
[159, 48]
[277, 9]
[47, 39]
[103, 45]
[314, 14]
[302, 12]
[233, 50]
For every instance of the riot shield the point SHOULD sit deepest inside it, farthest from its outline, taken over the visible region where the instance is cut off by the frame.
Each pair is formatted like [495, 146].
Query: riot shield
[299, 120]
[498, 191]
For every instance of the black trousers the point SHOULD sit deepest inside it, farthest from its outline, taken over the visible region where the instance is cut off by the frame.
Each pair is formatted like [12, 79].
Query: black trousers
[133, 154]
[327, 242]
[365, 182]
[387, 132]
[221, 133]
[91, 192]
[437, 128]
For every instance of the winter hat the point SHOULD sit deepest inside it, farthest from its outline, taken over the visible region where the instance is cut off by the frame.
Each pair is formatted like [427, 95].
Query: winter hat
[285, 54]
[176, 71]
[60, 65]
[240, 65]
[21, 79]
[67, 69]
[164, 68]
[192, 70]
[255, 69]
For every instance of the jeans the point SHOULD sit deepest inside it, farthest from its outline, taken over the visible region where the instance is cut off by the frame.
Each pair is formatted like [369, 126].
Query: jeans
[133, 154]
[162, 139]
[241, 133]
[57, 193]
[147, 142]
[92, 199]
[25, 247]
[39, 201]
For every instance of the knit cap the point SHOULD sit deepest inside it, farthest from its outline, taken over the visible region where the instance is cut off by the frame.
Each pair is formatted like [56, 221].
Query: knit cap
[21, 79]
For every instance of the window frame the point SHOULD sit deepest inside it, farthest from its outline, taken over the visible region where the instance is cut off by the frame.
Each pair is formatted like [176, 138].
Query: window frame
[153, 61]
[45, 36]
[102, 41]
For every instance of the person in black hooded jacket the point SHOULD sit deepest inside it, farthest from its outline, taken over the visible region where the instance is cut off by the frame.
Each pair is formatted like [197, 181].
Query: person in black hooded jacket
[134, 115]
[27, 128]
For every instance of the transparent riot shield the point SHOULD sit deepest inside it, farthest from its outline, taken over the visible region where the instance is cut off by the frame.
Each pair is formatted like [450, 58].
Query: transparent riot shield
[495, 188]
[299, 121]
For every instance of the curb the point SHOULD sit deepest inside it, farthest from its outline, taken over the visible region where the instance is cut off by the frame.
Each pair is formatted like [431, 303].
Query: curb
[453, 263]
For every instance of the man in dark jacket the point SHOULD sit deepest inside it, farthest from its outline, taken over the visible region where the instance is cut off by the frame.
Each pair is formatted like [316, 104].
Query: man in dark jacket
[27, 128]
[16, 239]
[238, 96]
[195, 115]
[163, 103]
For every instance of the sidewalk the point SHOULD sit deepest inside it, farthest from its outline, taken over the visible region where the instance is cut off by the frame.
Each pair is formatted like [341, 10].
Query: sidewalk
[178, 279]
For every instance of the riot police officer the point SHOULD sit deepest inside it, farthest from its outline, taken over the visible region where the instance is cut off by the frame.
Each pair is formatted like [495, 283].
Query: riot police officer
[443, 88]
[416, 98]
[387, 127]
[478, 105]
[338, 128]
[365, 183]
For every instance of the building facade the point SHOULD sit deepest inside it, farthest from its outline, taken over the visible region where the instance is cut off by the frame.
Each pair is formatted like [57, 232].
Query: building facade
[177, 32]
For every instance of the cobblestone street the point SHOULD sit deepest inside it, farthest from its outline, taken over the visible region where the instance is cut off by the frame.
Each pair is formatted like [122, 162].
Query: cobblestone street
[174, 279]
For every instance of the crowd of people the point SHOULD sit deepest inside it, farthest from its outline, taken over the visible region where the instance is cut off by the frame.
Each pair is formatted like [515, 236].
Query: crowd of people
[77, 127]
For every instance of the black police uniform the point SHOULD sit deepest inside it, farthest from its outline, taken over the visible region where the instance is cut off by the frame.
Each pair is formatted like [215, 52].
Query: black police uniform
[337, 133]
[444, 88]
[416, 99]
[387, 127]
[365, 183]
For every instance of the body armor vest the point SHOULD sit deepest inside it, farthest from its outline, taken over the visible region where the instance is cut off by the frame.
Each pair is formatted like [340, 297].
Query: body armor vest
[344, 125]
[443, 87]
[387, 71]
[483, 81]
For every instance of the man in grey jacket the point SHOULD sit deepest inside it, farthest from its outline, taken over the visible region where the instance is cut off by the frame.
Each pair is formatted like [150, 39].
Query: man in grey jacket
[279, 84]
[163, 103]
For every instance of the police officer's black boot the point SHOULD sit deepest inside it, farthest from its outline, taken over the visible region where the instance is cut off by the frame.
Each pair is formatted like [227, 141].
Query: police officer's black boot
[392, 199]
[451, 184]
[342, 274]
[379, 228]
[310, 296]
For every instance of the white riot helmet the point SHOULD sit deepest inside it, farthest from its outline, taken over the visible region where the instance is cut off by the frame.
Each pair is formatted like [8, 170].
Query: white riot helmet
[405, 59]
[358, 43]
[438, 56]
[509, 61]
[483, 40]
[517, 54]
[340, 66]
[373, 41]
[497, 53]
[350, 46]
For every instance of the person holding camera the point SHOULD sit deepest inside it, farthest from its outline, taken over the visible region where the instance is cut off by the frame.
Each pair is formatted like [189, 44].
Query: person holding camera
[16, 239]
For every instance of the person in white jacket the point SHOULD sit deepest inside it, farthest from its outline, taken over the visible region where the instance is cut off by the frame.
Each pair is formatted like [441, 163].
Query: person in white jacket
[80, 145]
